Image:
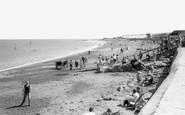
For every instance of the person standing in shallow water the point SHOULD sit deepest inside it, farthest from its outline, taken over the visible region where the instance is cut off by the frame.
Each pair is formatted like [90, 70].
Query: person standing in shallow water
[26, 93]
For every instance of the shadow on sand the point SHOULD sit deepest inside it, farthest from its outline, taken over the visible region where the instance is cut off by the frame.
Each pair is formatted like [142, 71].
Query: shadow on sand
[17, 106]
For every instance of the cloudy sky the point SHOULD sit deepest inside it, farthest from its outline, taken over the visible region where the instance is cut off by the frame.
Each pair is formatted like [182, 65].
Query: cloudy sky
[76, 19]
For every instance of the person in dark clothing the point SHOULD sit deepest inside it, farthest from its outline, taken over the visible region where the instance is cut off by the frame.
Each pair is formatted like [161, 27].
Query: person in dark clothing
[26, 92]
[71, 64]
[149, 80]
[121, 50]
[148, 57]
[84, 61]
[140, 56]
[76, 64]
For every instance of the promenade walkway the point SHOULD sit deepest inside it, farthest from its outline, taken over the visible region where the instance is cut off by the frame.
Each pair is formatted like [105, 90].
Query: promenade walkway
[169, 99]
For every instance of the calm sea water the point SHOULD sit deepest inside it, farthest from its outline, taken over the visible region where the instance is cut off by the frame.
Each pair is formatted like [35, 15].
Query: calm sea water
[14, 53]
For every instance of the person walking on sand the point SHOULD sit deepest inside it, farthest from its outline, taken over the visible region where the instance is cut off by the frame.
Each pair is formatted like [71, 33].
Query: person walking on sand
[81, 63]
[71, 64]
[114, 58]
[76, 64]
[100, 59]
[117, 58]
[26, 93]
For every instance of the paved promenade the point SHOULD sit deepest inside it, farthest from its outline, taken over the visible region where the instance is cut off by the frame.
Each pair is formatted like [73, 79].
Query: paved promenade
[169, 99]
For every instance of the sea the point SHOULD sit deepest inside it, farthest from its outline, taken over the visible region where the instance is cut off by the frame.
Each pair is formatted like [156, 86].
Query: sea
[19, 53]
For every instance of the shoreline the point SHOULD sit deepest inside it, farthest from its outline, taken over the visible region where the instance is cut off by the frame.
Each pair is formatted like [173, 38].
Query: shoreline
[97, 45]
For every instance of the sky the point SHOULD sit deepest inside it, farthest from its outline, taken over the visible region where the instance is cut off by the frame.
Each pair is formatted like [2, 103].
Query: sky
[88, 19]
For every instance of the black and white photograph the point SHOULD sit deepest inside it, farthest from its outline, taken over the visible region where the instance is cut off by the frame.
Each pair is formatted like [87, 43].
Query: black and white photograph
[92, 57]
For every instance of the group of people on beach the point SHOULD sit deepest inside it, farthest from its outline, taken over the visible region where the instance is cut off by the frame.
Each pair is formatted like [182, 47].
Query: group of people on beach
[71, 64]
[135, 100]
[108, 61]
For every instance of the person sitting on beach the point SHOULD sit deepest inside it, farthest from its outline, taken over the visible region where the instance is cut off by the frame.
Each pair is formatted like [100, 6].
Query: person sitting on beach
[108, 112]
[91, 112]
[125, 61]
[148, 80]
[154, 56]
[148, 57]
[71, 64]
[103, 62]
[137, 64]
[138, 89]
[130, 101]
[100, 59]
[139, 77]
[26, 93]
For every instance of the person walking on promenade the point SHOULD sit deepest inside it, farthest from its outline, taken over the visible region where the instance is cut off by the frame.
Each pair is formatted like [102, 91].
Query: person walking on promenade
[26, 93]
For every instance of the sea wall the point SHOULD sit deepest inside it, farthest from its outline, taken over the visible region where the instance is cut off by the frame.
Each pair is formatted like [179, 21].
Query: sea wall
[154, 107]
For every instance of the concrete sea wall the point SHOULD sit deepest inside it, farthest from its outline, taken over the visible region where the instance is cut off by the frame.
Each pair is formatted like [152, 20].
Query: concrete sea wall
[169, 97]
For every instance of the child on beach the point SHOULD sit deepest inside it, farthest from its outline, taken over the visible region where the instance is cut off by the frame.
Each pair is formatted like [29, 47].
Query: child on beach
[26, 93]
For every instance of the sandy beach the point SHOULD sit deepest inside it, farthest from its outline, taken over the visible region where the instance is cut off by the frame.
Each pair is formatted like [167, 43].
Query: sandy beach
[60, 92]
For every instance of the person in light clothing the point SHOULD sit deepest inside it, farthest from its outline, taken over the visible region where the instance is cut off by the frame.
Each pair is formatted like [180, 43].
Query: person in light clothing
[132, 99]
